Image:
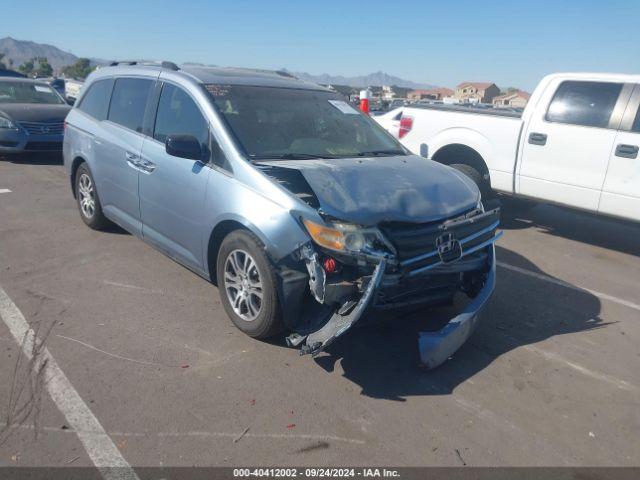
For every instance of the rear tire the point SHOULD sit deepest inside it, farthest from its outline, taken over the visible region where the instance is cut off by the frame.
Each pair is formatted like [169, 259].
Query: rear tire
[247, 285]
[88, 199]
[482, 184]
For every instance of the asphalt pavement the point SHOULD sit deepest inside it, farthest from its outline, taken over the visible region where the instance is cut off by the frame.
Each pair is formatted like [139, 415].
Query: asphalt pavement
[151, 372]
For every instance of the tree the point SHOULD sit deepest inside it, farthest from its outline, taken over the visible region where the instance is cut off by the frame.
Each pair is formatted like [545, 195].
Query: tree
[80, 69]
[27, 67]
[44, 68]
[37, 67]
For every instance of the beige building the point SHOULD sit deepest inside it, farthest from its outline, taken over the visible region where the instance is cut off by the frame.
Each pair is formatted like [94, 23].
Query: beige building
[432, 94]
[513, 99]
[476, 92]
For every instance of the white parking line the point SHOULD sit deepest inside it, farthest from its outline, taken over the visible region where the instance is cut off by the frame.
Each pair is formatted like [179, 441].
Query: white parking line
[546, 278]
[5, 190]
[96, 442]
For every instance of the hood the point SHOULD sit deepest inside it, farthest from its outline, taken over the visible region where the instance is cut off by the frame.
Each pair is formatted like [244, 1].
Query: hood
[35, 112]
[368, 191]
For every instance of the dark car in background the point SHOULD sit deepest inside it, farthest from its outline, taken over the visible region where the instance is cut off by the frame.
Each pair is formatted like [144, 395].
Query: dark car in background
[11, 73]
[32, 116]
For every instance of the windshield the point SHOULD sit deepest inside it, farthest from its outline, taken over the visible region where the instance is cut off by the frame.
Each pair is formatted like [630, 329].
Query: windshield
[284, 123]
[26, 92]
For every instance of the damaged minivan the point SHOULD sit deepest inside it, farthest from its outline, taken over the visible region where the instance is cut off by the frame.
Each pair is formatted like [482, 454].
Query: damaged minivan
[301, 209]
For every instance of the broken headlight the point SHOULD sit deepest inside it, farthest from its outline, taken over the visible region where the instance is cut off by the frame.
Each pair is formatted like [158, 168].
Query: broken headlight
[347, 238]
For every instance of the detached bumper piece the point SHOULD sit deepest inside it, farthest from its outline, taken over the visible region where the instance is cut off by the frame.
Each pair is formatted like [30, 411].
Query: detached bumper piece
[436, 347]
[342, 319]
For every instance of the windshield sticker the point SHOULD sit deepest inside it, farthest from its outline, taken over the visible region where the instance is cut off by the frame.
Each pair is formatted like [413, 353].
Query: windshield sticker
[41, 89]
[218, 90]
[344, 107]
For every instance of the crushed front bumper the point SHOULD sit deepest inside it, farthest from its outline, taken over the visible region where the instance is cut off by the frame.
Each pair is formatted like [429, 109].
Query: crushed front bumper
[434, 347]
[429, 278]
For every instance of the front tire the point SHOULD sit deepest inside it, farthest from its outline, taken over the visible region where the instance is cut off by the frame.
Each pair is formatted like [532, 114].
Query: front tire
[476, 176]
[88, 200]
[247, 285]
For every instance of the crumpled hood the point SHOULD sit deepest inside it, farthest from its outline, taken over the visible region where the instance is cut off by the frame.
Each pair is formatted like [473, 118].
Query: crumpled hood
[368, 191]
[34, 112]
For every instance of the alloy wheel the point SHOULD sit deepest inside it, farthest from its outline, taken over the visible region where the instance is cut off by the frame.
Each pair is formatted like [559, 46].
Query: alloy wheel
[243, 285]
[87, 196]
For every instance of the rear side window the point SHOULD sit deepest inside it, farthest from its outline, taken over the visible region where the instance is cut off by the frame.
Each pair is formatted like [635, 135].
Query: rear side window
[129, 101]
[96, 101]
[178, 114]
[584, 103]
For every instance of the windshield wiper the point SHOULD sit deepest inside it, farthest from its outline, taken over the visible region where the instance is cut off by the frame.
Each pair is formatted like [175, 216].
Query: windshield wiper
[376, 153]
[290, 156]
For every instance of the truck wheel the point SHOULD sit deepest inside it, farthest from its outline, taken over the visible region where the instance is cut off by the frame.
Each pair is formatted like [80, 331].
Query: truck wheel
[247, 285]
[476, 176]
[88, 200]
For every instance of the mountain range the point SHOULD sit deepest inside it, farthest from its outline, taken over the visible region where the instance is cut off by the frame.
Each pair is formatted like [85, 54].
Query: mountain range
[20, 51]
[376, 79]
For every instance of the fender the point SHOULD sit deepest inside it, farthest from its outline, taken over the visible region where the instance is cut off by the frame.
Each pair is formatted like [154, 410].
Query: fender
[461, 136]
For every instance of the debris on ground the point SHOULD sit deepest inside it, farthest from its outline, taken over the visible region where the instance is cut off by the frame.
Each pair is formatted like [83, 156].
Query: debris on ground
[239, 437]
[460, 457]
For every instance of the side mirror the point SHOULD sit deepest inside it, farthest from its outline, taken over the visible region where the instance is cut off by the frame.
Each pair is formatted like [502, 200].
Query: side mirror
[424, 150]
[184, 146]
[71, 101]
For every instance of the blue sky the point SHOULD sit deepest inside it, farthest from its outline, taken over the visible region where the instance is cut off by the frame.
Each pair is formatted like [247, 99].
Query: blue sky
[511, 43]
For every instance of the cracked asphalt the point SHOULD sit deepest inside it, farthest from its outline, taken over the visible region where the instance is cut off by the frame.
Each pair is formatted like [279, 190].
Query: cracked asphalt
[551, 376]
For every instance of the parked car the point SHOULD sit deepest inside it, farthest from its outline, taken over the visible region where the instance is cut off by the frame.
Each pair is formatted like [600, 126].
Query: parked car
[11, 73]
[31, 116]
[575, 143]
[301, 209]
[397, 102]
[58, 85]
[72, 89]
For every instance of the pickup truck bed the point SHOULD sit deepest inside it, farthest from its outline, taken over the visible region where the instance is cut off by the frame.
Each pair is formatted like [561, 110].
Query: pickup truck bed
[451, 130]
[577, 142]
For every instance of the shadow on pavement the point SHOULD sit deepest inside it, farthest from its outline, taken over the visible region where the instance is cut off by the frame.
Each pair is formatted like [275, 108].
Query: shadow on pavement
[383, 357]
[599, 231]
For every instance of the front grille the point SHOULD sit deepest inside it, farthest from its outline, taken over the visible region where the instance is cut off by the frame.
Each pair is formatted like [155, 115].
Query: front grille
[417, 244]
[43, 128]
[44, 146]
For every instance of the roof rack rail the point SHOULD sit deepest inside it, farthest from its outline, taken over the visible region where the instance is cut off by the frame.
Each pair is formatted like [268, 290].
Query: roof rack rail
[164, 64]
[284, 73]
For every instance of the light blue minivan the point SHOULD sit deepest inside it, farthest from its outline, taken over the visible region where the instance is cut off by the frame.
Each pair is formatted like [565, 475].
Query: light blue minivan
[301, 209]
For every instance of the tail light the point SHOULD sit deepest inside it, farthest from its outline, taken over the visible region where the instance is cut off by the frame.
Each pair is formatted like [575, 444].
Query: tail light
[406, 124]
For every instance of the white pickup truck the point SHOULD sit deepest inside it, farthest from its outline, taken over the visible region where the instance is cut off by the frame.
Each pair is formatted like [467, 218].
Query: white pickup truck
[575, 143]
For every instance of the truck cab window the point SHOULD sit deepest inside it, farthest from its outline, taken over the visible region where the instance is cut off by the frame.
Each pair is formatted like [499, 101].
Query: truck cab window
[589, 104]
[636, 123]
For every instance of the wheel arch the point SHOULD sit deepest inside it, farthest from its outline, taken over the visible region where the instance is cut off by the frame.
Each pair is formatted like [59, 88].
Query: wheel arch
[461, 153]
[218, 234]
[74, 169]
